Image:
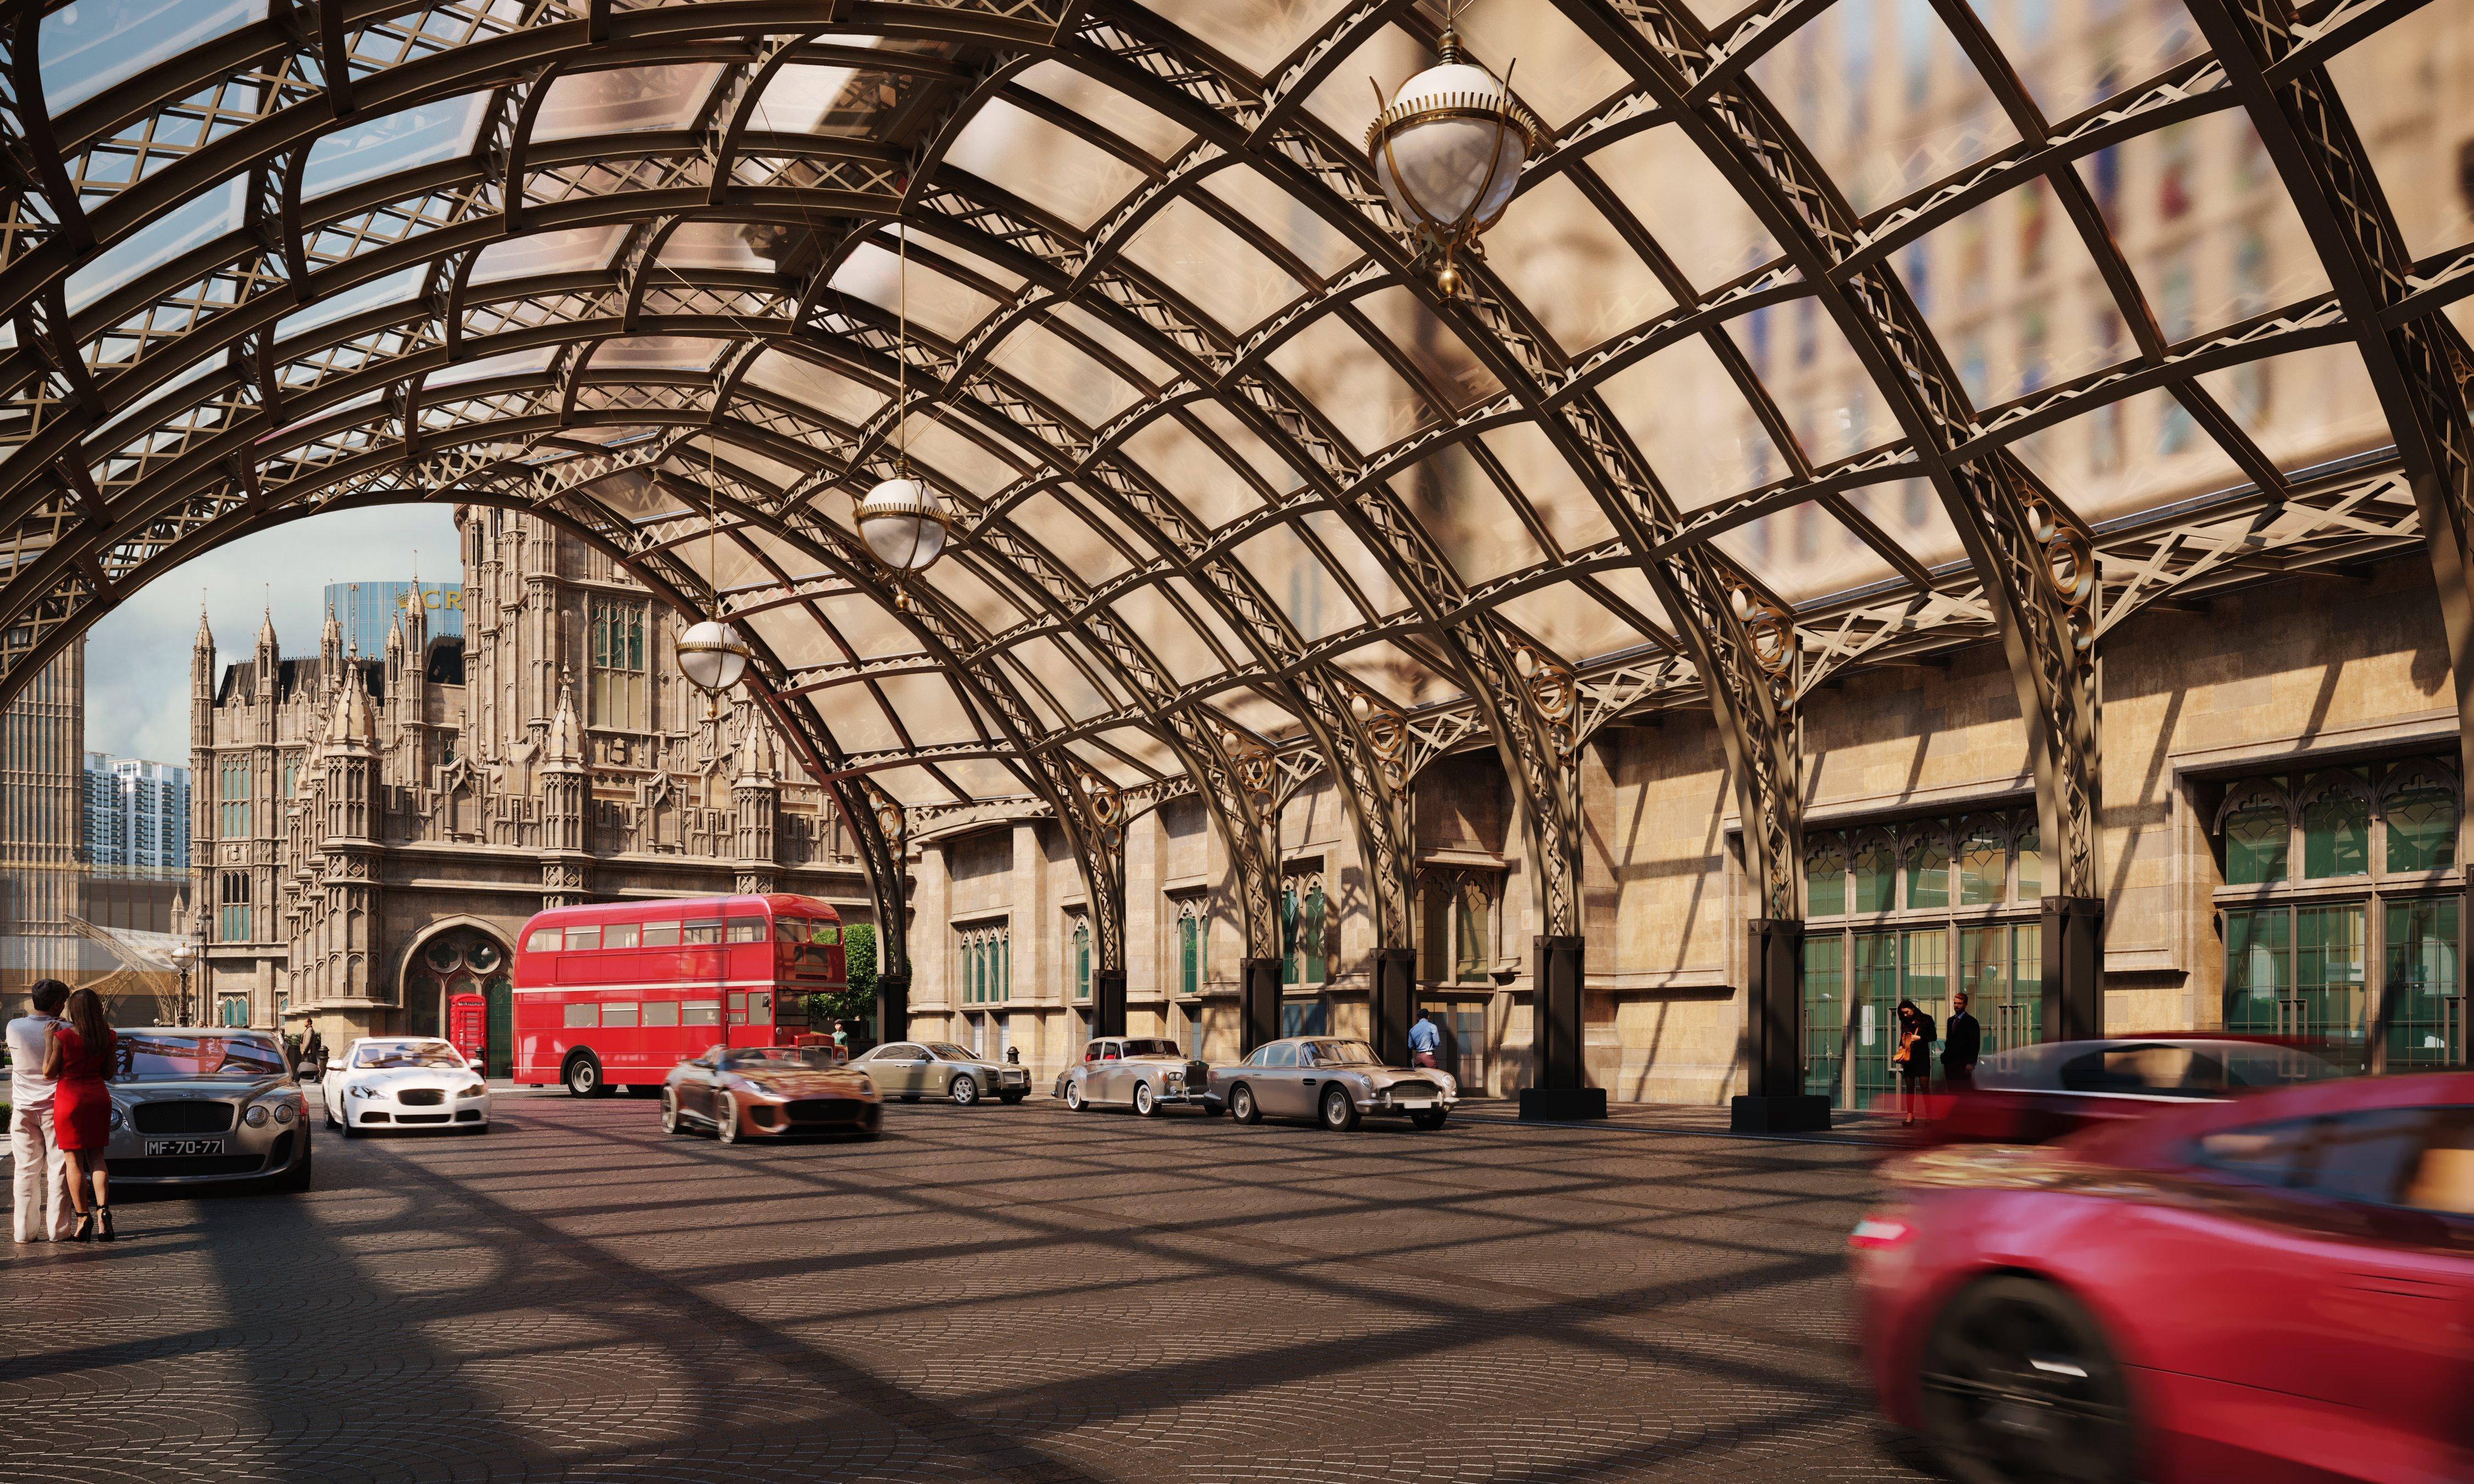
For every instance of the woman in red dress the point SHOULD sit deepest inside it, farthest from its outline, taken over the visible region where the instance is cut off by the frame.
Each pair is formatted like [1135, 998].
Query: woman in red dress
[83, 1054]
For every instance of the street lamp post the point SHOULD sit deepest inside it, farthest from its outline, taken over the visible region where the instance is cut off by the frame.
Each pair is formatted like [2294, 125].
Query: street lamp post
[183, 954]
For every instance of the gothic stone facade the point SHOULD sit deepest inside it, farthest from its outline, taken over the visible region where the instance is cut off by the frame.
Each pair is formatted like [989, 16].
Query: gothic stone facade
[370, 833]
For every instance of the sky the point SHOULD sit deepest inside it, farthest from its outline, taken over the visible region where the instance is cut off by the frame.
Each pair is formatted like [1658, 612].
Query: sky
[137, 657]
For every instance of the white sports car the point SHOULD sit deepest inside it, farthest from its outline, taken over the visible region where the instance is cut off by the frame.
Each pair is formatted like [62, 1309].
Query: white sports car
[394, 1082]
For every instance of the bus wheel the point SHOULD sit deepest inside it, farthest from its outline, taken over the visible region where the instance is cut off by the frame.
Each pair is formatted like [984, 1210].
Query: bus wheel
[583, 1076]
[964, 1091]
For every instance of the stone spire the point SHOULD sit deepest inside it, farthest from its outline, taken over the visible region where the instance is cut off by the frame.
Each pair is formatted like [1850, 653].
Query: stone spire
[756, 749]
[330, 646]
[754, 809]
[563, 746]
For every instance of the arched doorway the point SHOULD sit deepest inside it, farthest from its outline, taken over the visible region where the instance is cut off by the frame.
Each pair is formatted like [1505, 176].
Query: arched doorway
[461, 961]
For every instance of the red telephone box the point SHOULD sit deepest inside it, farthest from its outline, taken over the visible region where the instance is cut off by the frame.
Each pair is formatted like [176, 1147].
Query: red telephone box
[468, 1025]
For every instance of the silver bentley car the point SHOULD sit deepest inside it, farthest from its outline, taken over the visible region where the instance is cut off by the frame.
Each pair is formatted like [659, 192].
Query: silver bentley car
[192, 1106]
[913, 1069]
[1334, 1081]
[1140, 1073]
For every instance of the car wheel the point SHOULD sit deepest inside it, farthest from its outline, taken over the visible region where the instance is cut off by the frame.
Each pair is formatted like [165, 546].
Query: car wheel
[1339, 1110]
[1430, 1118]
[1241, 1105]
[1073, 1097]
[671, 1123]
[344, 1126]
[1144, 1103]
[965, 1091]
[583, 1076]
[2019, 1384]
[726, 1120]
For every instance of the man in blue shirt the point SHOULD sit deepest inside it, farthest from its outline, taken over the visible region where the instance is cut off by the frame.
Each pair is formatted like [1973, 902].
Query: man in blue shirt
[1424, 1040]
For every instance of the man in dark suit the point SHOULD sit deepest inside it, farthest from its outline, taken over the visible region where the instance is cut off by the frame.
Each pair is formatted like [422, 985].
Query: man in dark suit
[1962, 1042]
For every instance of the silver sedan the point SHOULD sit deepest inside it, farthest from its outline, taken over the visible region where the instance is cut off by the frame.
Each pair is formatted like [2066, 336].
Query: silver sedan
[913, 1069]
[192, 1106]
[1332, 1081]
[1140, 1073]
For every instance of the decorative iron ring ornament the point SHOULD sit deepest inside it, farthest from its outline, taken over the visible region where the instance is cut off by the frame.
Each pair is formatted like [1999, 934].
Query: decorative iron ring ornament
[1448, 150]
[1106, 808]
[1386, 733]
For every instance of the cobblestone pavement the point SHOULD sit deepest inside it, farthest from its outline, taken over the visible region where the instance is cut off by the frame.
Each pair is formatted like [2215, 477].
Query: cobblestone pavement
[989, 1293]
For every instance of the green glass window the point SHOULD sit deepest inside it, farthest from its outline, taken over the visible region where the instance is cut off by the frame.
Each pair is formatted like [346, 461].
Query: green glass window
[2422, 829]
[1289, 965]
[1824, 1013]
[615, 692]
[1824, 882]
[2329, 986]
[1876, 874]
[2258, 968]
[1983, 865]
[2337, 837]
[1928, 873]
[1317, 971]
[2032, 866]
[2426, 1014]
[1081, 961]
[2255, 842]
[1471, 959]
[1189, 954]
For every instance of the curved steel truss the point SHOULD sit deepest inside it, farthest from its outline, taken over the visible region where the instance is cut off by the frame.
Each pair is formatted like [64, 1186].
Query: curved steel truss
[1243, 501]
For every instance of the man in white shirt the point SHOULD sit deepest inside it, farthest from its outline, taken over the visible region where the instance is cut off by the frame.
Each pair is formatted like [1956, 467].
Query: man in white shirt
[42, 1169]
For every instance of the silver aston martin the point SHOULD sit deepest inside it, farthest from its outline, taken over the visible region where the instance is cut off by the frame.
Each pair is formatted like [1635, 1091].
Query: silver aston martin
[1140, 1073]
[1332, 1081]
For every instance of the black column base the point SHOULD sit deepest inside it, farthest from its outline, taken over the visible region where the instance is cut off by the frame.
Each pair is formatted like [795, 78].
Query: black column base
[1562, 1104]
[1794, 1113]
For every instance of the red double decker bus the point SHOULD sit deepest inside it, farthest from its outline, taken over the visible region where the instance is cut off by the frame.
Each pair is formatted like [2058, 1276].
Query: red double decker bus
[617, 994]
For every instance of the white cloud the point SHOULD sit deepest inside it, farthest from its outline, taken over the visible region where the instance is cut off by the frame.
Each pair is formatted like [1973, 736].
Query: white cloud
[137, 657]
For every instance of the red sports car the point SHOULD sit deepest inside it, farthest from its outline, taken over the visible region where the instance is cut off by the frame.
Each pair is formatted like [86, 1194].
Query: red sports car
[2279, 1287]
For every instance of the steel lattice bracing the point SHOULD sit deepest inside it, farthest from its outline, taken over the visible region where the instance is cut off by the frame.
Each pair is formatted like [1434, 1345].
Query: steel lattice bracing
[1243, 501]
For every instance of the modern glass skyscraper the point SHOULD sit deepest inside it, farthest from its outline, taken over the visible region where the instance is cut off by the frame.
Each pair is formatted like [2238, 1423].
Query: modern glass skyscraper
[137, 814]
[366, 608]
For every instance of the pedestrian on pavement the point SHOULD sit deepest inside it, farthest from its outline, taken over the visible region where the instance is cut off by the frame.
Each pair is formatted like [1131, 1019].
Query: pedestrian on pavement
[1962, 1042]
[42, 1193]
[82, 1055]
[1913, 1059]
[1424, 1040]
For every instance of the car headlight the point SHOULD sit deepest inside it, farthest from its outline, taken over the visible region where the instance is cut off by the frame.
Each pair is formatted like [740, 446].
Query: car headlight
[116, 1115]
[475, 1090]
[254, 1115]
[359, 1089]
[285, 1112]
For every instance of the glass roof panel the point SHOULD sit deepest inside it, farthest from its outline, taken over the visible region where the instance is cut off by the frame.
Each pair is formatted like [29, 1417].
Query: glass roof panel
[807, 384]
[1113, 340]
[1192, 471]
[93, 44]
[2127, 456]
[1825, 393]
[201, 219]
[1988, 284]
[1207, 616]
[1062, 679]
[1217, 271]
[1910, 513]
[1467, 516]
[798, 95]
[1356, 564]
[1569, 622]
[1690, 420]
[513, 363]
[926, 246]
[963, 585]
[402, 140]
[1085, 551]
[1630, 584]
[567, 249]
[1268, 463]
[1883, 97]
[1571, 266]
[913, 785]
[930, 710]
[400, 288]
[1701, 221]
[1553, 68]
[1443, 361]
[1172, 640]
[2403, 88]
[1351, 385]
[1298, 581]
[2304, 408]
[1552, 488]
[863, 626]
[1803, 554]
[1254, 33]
[1324, 249]
[1399, 677]
[1343, 100]
[941, 305]
[1034, 159]
[622, 352]
[1049, 366]
[1137, 124]
[792, 636]
[706, 244]
[959, 459]
[624, 99]
[2073, 57]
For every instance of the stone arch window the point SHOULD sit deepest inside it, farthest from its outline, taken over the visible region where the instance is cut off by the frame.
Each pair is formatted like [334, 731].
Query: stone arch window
[462, 960]
[1305, 929]
[1825, 875]
[1078, 954]
[232, 924]
[984, 959]
[1875, 873]
[1983, 860]
[2257, 824]
[2418, 811]
[1460, 927]
[1925, 856]
[2337, 826]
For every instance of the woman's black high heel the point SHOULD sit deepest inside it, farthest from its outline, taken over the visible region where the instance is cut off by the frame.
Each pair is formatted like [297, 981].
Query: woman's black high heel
[84, 1232]
[105, 1234]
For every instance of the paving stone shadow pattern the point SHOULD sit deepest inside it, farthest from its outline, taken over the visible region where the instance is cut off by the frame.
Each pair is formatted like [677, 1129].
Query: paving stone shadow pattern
[993, 1293]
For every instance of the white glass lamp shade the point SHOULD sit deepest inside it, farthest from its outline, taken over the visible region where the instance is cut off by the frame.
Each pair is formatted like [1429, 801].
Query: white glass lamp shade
[1449, 148]
[902, 522]
[713, 655]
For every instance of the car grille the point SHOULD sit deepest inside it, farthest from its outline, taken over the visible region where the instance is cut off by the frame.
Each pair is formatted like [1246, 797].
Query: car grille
[182, 1117]
[420, 1097]
[827, 1110]
[421, 1118]
[1413, 1089]
[171, 1167]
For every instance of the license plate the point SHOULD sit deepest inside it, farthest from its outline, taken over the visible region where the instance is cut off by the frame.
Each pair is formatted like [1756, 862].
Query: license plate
[1420, 1104]
[179, 1146]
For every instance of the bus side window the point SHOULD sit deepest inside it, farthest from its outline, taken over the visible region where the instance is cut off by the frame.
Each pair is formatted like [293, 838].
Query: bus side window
[616, 1014]
[701, 1011]
[583, 1014]
[703, 932]
[789, 929]
[829, 933]
[543, 940]
[618, 935]
[583, 938]
[738, 1009]
[661, 1012]
[661, 934]
[746, 929]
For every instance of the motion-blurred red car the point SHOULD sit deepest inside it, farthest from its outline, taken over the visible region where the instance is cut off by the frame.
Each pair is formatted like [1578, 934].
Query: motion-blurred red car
[2276, 1287]
[2034, 1094]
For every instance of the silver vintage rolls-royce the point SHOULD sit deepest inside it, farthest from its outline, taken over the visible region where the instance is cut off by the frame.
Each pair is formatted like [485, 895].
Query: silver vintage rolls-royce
[1141, 1072]
[1333, 1081]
